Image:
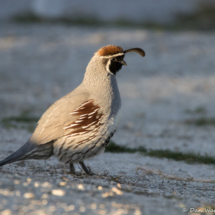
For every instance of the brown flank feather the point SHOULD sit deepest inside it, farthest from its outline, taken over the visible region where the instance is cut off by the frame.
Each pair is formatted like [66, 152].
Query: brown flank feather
[88, 119]
[110, 50]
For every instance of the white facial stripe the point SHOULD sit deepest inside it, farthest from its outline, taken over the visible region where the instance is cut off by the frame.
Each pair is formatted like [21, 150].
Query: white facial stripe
[108, 66]
[115, 55]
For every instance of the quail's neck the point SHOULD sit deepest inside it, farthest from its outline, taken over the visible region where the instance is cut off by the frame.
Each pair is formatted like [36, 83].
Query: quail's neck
[96, 75]
[101, 84]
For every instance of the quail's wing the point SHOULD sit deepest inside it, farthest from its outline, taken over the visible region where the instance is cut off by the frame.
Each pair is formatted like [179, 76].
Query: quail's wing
[69, 117]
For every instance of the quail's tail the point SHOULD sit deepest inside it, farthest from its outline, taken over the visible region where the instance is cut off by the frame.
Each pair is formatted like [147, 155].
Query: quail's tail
[20, 154]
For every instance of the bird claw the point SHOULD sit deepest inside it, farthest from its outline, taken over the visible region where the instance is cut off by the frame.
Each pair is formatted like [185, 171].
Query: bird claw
[87, 170]
[90, 171]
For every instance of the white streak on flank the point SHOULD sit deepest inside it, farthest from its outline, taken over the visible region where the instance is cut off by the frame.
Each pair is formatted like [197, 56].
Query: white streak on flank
[87, 126]
[114, 55]
[86, 103]
[73, 113]
[83, 115]
[93, 112]
[70, 126]
[78, 121]
[81, 106]
[84, 132]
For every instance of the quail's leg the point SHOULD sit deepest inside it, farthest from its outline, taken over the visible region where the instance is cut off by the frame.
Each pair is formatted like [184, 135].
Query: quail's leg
[86, 170]
[72, 169]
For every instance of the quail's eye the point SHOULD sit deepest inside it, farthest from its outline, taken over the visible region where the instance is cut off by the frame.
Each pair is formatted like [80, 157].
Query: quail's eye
[114, 59]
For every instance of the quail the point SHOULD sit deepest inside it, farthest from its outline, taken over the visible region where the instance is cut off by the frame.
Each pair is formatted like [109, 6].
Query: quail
[80, 124]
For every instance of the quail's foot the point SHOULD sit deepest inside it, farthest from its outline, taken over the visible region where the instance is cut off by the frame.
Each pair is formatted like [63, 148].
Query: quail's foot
[87, 170]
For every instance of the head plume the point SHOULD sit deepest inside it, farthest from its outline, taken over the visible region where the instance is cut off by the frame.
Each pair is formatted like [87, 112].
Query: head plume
[138, 50]
[109, 51]
[114, 51]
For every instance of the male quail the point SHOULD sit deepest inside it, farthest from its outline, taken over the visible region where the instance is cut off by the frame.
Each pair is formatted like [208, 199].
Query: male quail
[80, 124]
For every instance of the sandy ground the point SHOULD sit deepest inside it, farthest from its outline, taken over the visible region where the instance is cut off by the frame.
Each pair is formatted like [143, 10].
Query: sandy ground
[41, 63]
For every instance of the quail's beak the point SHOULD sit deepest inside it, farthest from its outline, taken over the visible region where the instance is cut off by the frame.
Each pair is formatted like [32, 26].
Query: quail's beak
[123, 62]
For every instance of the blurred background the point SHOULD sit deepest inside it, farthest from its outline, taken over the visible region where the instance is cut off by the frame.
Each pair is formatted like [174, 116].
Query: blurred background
[45, 46]
[147, 13]
[168, 100]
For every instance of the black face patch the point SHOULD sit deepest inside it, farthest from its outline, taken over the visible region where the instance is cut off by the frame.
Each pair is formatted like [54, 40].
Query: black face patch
[115, 66]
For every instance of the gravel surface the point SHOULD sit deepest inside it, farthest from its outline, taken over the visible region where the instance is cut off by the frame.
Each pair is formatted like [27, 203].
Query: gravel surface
[172, 84]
